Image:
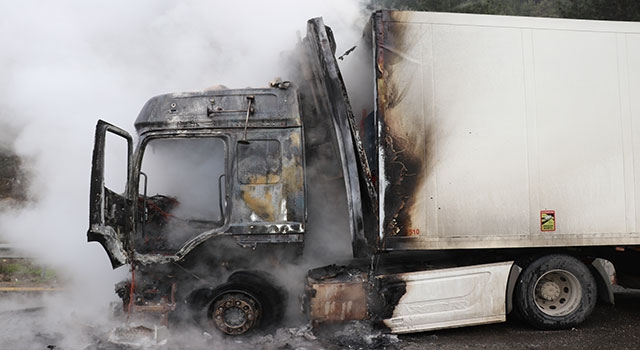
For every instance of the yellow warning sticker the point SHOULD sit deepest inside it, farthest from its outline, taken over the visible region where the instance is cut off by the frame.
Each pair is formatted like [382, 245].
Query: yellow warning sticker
[548, 220]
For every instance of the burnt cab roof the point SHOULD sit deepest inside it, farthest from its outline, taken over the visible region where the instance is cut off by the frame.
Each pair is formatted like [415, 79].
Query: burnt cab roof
[227, 108]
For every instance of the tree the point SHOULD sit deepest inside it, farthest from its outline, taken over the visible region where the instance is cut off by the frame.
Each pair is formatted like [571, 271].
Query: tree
[620, 10]
[624, 10]
[548, 8]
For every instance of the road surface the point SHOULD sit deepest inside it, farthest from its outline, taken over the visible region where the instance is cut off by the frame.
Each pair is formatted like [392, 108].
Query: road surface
[27, 321]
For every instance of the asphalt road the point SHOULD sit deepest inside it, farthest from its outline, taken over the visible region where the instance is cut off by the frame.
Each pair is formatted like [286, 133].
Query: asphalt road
[29, 325]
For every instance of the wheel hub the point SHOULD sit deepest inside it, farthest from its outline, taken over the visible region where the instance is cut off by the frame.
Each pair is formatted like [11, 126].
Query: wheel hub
[235, 313]
[549, 290]
[557, 293]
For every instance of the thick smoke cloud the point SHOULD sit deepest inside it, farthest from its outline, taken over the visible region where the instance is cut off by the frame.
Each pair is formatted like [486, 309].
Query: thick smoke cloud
[65, 64]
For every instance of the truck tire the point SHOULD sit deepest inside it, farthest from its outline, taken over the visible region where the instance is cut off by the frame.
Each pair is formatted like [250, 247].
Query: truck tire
[555, 292]
[235, 309]
[247, 302]
[275, 297]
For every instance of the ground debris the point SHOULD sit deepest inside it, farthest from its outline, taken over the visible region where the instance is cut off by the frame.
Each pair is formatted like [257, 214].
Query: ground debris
[300, 338]
[128, 337]
[357, 335]
[142, 338]
[360, 335]
[49, 339]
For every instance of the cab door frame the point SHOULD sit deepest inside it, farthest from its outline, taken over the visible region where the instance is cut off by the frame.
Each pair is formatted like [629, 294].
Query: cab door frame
[111, 215]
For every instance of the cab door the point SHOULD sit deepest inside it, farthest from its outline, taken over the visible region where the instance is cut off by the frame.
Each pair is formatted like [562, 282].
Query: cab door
[111, 210]
[330, 109]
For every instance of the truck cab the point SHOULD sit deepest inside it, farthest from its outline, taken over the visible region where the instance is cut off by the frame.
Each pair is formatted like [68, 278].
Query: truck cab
[217, 187]
[213, 178]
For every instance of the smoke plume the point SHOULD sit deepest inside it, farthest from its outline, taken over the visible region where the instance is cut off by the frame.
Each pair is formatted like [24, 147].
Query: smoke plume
[65, 64]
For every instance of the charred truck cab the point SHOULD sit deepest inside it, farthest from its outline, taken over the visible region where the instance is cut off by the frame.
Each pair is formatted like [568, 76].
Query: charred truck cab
[215, 177]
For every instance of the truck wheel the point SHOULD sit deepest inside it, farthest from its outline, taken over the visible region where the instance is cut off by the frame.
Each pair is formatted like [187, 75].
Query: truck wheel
[555, 292]
[274, 297]
[236, 308]
[248, 301]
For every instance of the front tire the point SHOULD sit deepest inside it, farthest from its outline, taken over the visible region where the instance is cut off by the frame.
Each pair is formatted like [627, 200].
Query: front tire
[235, 309]
[249, 301]
[555, 292]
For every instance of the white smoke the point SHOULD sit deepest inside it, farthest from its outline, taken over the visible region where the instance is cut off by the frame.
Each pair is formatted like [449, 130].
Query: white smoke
[65, 64]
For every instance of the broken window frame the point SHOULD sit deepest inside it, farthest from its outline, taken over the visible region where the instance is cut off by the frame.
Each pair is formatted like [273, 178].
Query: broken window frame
[202, 227]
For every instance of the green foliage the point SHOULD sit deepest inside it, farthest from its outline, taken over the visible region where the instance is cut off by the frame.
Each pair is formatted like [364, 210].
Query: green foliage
[25, 271]
[549, 8]
[621, 10]
[586, 9]
[12, 176]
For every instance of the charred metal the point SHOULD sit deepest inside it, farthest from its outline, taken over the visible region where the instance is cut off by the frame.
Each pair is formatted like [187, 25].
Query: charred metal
[337, 294]
[183, 246]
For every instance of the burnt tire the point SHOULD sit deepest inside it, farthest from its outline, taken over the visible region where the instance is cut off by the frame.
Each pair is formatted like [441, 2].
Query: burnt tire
[235, 309]
[555, 292]
[248, 302]
[274, 297]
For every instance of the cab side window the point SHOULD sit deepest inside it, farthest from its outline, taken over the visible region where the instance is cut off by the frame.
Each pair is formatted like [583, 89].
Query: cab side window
[259, 162]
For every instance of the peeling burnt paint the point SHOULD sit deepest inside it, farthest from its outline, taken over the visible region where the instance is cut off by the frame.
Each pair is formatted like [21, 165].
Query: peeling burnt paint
[271, 180]
[347, 293]
[390, 290]
[337, 294]
[405, 143]
[260, 202]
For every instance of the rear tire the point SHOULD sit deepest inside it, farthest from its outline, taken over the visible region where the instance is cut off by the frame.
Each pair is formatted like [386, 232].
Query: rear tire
[555, 292]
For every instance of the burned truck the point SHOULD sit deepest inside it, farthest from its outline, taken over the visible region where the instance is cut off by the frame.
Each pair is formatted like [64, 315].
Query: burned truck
[487, 165]
[228, 193]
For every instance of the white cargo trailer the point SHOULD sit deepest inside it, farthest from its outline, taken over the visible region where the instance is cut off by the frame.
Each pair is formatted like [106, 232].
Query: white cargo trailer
[507, 122]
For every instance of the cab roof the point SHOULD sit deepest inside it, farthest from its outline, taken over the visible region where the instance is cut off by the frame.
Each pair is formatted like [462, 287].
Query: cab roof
[268, 107]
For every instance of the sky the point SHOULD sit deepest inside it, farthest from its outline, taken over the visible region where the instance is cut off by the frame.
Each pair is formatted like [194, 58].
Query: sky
[66, 64]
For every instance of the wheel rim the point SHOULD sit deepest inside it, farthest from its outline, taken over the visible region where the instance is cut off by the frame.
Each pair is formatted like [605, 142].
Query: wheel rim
[557, 293]
[235, 313]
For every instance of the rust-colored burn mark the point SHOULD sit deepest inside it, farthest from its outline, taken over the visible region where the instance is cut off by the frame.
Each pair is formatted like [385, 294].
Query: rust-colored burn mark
[292, 174]
[272, 179]
[163, 306]
[274, 202]
[345, 293]
[260, 201]
[263, 179]
[337, 294]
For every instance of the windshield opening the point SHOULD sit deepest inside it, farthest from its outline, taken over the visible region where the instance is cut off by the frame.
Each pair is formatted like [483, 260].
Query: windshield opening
[182, 191]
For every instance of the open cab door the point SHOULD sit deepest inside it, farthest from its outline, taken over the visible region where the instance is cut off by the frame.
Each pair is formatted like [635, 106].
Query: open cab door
[110, 213]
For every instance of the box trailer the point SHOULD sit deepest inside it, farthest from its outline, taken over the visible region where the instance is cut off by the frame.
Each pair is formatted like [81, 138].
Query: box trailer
[507, 131]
